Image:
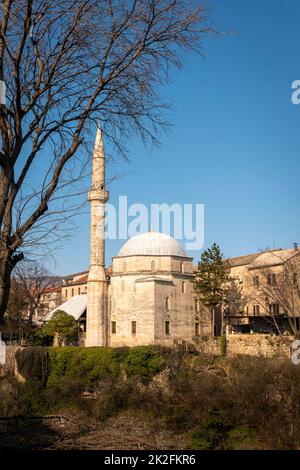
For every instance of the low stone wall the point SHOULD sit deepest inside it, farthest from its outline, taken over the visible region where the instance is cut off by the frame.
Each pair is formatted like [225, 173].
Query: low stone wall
[259, 345]
[252, 345]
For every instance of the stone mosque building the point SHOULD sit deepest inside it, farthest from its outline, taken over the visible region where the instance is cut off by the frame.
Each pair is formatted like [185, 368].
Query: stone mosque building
[148, 296]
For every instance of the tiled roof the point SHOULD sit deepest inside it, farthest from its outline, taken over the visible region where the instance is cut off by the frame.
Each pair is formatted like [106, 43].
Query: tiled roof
[243, 260]
[49, 290]
[273, 258]
[262, 259]
[81, 280]
[70, 276]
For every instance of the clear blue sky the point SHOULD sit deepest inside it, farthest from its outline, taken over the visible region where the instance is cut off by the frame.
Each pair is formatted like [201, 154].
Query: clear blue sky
[235, 142]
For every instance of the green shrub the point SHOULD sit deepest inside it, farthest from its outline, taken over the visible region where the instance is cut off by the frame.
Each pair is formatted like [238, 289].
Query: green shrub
[144, 362]
[213, 433]
[89, 365]
[241, 438]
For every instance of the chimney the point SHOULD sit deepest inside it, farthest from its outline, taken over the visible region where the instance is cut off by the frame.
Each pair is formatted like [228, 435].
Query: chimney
[295, 246]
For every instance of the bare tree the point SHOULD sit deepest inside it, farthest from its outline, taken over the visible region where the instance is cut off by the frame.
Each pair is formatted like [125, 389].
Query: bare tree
[235, 300]
[65, 64]
[26, 303]
[276, 291]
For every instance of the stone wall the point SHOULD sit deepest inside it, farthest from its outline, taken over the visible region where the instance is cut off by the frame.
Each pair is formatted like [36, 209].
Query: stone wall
[259, 345]
[252, 345]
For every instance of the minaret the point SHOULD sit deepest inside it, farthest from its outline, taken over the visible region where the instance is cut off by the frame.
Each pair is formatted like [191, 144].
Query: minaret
[97, 287]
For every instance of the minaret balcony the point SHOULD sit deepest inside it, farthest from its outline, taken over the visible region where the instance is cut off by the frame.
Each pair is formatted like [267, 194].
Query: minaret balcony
[101, 195]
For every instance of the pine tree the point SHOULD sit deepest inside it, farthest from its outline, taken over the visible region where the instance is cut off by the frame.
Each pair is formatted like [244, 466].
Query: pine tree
[211, 278]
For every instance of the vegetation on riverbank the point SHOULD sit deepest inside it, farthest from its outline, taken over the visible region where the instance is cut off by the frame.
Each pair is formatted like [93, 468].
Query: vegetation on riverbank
[215, 403]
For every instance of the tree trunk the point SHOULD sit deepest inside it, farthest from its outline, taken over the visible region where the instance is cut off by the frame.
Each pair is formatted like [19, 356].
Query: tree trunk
[7, 263]
[5, 274]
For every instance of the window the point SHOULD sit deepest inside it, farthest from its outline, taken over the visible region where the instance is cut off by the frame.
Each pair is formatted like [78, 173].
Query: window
[256, 281]
[167, 327]
[168, 303]
[197, 329]
[66, 293]
[113, 327]
[78, 290]
[295, 279]
[133, 327]
[256, 309]
[181, 267]
[152, 265]
[72, 292]
[197, 305]
[183, 287]
[274, 309]
[272, 279]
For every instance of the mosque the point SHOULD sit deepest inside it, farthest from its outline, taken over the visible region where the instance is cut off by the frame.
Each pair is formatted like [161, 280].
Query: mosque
[148, 296]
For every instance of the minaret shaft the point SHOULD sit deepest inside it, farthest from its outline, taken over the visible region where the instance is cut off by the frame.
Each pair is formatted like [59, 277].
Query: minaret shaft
[97, 303]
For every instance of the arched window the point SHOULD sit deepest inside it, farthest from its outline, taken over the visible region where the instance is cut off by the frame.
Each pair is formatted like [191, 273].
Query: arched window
[183, 287]
[181, 267]
[78, 290]
[167, 327]
[72, 292]
[124, 267]
[152, 265]
[168, 303]
[133, 328]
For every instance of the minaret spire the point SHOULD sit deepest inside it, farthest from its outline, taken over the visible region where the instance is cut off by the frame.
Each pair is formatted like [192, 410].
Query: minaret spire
[97, 300]
[98, 172]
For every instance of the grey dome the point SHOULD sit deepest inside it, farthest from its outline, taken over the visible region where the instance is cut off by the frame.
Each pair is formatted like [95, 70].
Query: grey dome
[152, 244]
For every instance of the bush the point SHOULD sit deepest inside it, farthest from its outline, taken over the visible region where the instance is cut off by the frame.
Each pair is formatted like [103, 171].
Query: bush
[213, 433]
[89, 365]
[144, 362]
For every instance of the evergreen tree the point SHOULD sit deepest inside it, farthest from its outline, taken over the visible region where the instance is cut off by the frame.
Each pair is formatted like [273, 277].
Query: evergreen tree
[212, 276]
